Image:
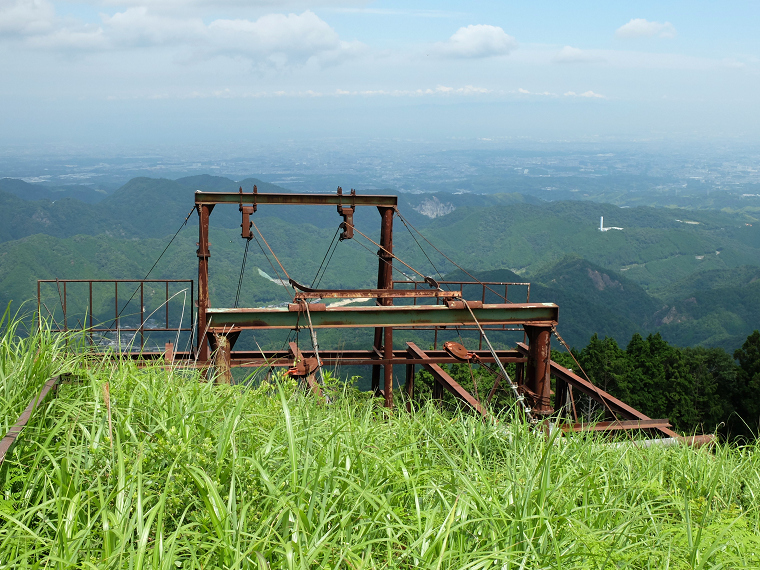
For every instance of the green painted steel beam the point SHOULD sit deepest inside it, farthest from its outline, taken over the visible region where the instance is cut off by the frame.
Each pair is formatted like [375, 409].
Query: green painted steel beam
[401, 316]
[293, 199]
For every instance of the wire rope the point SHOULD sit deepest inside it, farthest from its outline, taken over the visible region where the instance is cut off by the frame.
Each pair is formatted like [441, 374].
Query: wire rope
[314, 343]
[325, 257]
[519, 397]
[385, 250]
[375, 254]
[154, 266]
[274, 269]
[422, 250]
[456, 328]
[451, 260]
[242, 272]
[270, 249]
[328, 263]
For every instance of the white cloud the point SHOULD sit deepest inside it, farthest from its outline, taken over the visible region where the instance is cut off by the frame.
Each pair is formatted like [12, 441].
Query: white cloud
[522, 91]
[641, 28]
[277, 39]
[586, 94]
[26, 17]
[227, 93]
[574, 55]
[477, 41]
[206, 6]
[138, 27]
[438, 90]
[275, 33]
[81, 38]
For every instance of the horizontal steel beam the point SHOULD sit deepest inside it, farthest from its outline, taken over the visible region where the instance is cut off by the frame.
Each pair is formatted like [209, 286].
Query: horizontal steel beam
[275, 358]
[293, 199]
[617, 425]
[114, 280]
[377, 294]
[382, 316]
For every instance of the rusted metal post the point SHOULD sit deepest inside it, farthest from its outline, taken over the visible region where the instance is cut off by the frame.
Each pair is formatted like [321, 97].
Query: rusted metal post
[142, 315]
[409, 386]
[539, 367]
[91, 341]
[204, 210]
[385, 281]
[39, 307]
[65, 319]
[388, 368]
[222, 360]
[376, 367]
[561, 397]
[167, 305]
[168, 355]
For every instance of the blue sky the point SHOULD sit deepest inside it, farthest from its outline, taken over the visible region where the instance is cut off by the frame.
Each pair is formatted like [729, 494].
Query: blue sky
[176, 71]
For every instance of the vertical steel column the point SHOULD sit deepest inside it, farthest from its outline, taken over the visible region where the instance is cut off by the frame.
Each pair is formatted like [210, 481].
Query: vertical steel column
[65, 319]
[539, 367]
[204, 210]
[561, 397]
[384, 337]
[385, 281]
[91, 342]
[116, 314]
[39, 308]
[377, 343]
[409, 386]
[142, 315]
[222, 360]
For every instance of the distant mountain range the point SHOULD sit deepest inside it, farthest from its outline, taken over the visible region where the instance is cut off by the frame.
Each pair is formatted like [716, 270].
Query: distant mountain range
[693, 275]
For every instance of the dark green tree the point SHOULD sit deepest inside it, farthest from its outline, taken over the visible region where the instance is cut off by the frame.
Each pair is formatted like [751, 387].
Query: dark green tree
[747, 402]
[659, 382]
[606, 365]
[714, 388]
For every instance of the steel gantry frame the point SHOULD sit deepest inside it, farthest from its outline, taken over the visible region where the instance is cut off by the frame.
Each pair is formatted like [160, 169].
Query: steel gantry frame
[219, 327]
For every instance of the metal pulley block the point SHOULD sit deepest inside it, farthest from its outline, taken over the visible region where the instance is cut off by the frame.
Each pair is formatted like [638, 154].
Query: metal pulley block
[304, 367]
[458, 351]
[347, 213]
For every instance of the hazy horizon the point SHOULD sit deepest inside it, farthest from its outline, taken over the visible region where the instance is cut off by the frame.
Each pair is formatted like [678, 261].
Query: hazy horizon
[138, 75]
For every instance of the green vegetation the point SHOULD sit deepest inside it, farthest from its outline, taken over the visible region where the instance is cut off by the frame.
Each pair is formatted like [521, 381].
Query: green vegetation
[700, 390]
[695, 283]
[144, 468]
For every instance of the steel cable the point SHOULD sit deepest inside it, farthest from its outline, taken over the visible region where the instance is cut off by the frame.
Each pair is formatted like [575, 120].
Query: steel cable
[519, 397]
[242, 272]
[325, 257]
[451, 260]
[281, 281]
[153, 266]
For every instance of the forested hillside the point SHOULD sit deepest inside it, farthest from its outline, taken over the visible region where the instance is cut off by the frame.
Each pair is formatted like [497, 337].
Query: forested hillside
[691, 275]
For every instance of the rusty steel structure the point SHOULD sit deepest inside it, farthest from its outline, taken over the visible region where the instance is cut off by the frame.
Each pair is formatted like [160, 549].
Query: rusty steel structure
[92, 327]
[220, 327]
[424, 304]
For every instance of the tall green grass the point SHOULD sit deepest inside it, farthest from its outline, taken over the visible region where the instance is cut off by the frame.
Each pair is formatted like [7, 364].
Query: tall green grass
[197, 475]
[28, 359]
